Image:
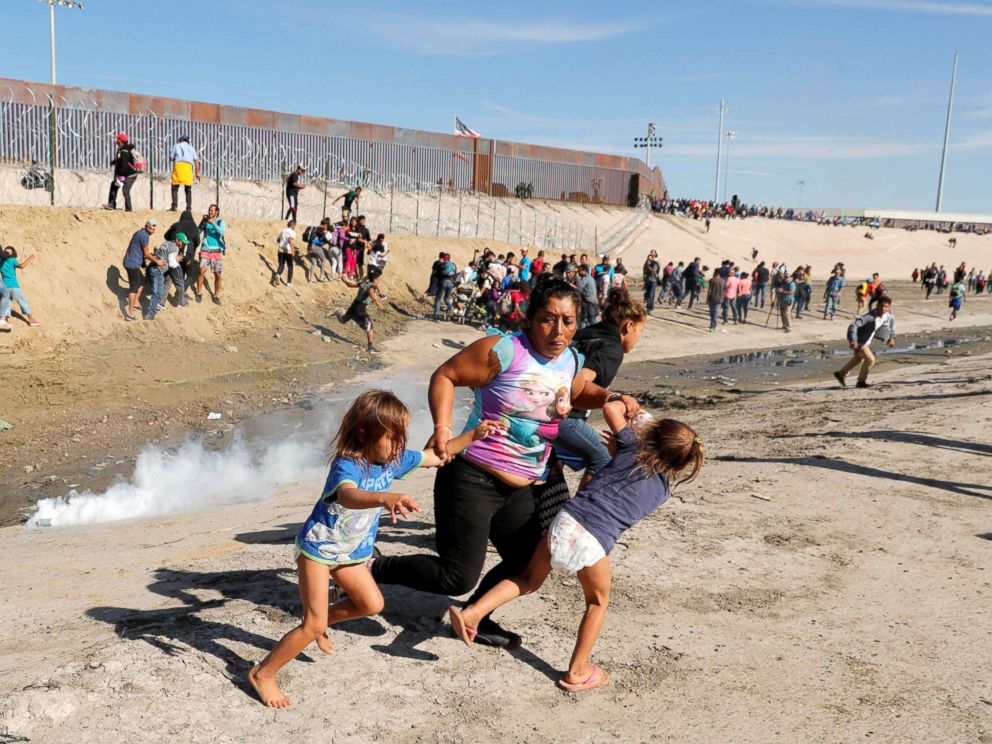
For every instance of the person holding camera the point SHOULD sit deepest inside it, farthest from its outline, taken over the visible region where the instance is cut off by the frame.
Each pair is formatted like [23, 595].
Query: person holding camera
[212, 228]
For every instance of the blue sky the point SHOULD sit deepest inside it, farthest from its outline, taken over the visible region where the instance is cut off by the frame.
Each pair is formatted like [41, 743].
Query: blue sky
[848, 96]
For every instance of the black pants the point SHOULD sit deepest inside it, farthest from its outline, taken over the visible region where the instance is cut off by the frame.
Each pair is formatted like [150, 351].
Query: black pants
[191, 270]
[175, 198]
[471, 507]
[285, 259]
[114, 186]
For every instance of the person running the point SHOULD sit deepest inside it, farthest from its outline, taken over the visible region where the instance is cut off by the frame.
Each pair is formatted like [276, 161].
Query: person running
[287, 254]
[358, 311]
[212, 253]
[529, 380]
[135, 257]
[957, 299]
[351, 201]
[9, 265]
[337, 540]
[293, 189]
[585, 531]
[860, 334]
[603, 347]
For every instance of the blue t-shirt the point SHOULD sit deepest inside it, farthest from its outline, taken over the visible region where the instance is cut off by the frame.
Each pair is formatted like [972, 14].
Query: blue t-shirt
[338, 536]
[619, 495]
[8, 266]
[134, 257]
[525, 268]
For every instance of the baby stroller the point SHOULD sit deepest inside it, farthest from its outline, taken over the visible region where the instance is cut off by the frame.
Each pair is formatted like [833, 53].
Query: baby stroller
[466, 299]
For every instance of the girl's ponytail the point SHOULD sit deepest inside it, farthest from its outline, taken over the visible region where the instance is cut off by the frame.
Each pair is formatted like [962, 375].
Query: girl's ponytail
[620, 307]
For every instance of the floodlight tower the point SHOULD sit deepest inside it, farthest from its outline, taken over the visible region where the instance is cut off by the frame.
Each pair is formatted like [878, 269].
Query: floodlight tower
[51, 20]
[648, 142]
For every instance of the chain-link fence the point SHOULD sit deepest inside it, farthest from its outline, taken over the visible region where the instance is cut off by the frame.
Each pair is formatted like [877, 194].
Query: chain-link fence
[58, 152]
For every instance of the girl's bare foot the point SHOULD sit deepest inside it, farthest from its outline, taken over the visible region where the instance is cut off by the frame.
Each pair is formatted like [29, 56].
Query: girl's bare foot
[267, 689]
[324, 644]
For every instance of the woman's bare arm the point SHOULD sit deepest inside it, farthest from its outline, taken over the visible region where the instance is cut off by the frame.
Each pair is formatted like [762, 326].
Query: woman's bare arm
[474, 366]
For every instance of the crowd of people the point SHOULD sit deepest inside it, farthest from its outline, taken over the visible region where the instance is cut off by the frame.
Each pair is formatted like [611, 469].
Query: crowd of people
[706, 210]
[494, 289]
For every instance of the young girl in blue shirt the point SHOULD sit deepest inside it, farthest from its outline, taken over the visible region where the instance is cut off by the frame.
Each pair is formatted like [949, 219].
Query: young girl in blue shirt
[337, 539]
[580, 538]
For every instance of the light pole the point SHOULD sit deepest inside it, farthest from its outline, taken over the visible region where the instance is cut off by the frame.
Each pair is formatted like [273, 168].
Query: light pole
[947, 135]
[719, 144]
[726, 174]
[51, 22]
[800, 184]
[648, 142]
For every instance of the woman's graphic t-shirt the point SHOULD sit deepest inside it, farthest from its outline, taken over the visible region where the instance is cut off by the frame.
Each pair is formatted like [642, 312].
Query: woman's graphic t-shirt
[337, 535]
[531, 395]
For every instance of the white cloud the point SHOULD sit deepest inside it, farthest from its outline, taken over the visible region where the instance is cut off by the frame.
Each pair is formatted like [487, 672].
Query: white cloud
[903, 6]
[467, 37]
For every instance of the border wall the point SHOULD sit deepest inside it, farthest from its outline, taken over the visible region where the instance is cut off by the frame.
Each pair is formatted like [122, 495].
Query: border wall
[63, 128]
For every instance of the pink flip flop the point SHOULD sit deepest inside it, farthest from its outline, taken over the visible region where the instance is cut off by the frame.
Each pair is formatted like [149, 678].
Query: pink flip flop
[463, 631]
[597, 678]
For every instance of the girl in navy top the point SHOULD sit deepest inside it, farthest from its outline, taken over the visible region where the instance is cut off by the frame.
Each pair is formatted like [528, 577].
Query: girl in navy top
[337, 539]
[631, 486]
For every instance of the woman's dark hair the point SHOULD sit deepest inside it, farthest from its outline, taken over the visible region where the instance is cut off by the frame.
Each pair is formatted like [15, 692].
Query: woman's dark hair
[549, 289]
[620, 307]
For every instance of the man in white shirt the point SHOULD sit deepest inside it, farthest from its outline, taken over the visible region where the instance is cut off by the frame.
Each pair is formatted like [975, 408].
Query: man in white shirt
[860, 334]
[287, 253]
[185, 167]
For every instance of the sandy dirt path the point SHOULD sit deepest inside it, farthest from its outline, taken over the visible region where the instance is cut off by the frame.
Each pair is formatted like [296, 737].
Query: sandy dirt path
[826, 579]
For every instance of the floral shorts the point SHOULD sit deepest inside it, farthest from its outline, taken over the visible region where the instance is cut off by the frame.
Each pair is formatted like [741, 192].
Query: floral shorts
[572, 546]
[211, 261]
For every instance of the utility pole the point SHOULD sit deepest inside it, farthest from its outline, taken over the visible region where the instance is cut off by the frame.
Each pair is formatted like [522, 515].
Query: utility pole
[719, 145]
[947, 135]
[731, 135]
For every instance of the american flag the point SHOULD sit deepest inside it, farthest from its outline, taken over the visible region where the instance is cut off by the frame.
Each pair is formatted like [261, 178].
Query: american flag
[463, 131]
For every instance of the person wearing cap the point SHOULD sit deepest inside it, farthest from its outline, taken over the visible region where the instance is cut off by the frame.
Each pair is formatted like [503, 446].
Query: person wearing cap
[293, 188]
[125, 173]
[135, 256]
[173, 270]
[185, 167]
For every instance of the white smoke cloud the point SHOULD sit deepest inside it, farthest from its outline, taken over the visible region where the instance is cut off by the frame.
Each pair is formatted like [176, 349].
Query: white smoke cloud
[193, 477]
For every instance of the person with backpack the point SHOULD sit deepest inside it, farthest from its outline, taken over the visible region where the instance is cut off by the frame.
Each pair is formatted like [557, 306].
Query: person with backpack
[316, 237]
[862, 293]
[877, 290]
[446, 271]
[127, 165]
[860, 334]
